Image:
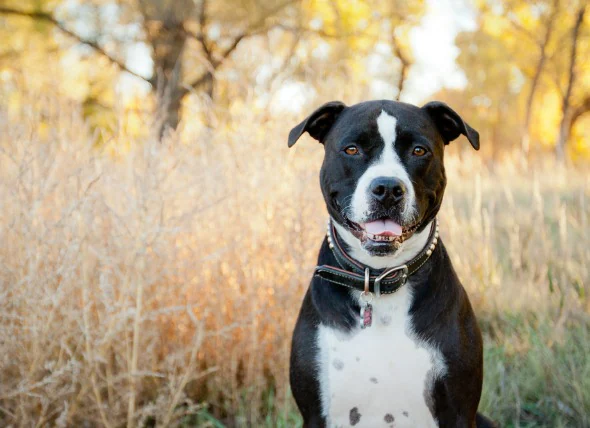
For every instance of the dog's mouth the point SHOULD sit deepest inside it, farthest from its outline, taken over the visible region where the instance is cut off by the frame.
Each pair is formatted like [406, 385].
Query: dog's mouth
[381, 231]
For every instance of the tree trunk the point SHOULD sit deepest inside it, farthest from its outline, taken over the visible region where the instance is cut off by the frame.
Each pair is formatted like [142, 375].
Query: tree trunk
[405, 65]
[525, 141]
[164, 28]
[564, 135]
[167, 90]
[567, 114]
[168, 46]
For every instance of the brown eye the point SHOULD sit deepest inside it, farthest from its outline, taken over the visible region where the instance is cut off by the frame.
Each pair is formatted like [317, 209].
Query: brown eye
[419, 151]
[351, 150]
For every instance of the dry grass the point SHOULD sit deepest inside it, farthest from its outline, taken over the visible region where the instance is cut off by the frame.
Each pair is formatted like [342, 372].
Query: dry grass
[160, 286]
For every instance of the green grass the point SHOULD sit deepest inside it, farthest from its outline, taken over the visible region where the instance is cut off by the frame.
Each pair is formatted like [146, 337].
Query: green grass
[537, 372]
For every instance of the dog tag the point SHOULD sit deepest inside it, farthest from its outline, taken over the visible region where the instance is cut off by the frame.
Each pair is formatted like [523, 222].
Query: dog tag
[366, 298]
[366, 315]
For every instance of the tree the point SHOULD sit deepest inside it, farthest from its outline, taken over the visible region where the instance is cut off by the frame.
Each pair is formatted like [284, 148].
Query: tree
[193, 42]
[168, 28]
[526, 55]
[547, 23]
[567, 118]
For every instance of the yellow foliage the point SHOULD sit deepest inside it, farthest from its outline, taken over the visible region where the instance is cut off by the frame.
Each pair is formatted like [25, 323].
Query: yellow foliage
[495, 26]
[580, 139]
[545, 127]
[516, 35]
[337, 18]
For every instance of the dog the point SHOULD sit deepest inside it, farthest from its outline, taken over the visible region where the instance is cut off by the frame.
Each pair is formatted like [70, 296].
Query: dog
[386, 336]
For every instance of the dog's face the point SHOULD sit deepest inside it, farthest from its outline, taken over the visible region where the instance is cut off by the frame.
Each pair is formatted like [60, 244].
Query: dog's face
[383, 176]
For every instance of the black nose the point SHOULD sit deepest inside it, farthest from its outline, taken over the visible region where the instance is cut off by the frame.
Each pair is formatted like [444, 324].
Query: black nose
[388, 190]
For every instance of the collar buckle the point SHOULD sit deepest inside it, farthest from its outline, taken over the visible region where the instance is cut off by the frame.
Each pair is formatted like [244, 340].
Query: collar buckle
[404, 276]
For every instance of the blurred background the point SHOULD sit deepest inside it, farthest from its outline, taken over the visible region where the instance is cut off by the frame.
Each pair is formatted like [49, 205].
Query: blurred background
[158, 236]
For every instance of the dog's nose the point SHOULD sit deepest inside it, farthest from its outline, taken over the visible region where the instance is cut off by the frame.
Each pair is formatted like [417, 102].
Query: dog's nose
[388, 190]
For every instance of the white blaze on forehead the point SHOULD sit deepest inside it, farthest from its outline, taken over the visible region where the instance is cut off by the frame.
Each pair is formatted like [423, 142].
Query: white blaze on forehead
[387, 165]
[386, 125]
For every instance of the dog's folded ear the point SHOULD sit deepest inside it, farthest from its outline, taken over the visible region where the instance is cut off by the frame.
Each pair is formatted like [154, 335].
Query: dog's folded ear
[449, 123]
[318, 123]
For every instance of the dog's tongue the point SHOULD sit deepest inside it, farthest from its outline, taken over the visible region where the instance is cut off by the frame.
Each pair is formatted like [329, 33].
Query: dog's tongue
[384, 228]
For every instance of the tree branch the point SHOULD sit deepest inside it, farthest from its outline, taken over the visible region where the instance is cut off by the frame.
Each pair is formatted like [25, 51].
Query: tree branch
[44, 16]
[517, 25]
[201, 37]
[580, 110]
[214, 63]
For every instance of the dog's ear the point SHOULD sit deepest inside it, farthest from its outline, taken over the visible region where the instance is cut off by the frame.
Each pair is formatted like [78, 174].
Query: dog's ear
[318, 123]
[449, 123]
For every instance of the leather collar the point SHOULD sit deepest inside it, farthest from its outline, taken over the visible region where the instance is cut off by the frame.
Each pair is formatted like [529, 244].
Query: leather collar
[355, 275]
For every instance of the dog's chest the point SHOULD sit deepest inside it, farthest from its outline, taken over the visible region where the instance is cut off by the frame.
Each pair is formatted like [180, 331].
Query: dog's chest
[380, 376]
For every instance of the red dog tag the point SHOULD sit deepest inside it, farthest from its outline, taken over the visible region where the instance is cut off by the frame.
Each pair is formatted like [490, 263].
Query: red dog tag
[366, 316]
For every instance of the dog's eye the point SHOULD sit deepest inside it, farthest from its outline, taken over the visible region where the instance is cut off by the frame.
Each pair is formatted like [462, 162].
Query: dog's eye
[419, 151]
[351, 150]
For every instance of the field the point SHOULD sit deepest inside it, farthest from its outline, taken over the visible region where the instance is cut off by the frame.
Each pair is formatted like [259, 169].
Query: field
[157, 284]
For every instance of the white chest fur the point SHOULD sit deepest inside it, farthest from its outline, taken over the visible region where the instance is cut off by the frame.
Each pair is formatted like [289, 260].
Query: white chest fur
[380, 376]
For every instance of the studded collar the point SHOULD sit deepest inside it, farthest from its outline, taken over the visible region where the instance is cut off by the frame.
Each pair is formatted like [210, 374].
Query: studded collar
[352, 274]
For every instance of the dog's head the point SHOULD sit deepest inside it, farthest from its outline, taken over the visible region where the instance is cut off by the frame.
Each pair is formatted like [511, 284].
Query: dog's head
[383, 176]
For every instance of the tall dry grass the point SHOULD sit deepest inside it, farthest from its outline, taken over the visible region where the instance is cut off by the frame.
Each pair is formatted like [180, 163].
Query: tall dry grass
[159, 285]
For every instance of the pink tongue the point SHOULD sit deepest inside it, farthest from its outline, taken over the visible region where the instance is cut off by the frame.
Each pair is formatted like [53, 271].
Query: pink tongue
[383, 227]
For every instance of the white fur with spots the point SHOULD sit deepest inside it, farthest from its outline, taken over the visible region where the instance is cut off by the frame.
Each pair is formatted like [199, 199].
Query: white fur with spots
[378, 374]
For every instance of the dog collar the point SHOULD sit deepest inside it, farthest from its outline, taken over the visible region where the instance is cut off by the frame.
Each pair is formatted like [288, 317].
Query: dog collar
[355, 275]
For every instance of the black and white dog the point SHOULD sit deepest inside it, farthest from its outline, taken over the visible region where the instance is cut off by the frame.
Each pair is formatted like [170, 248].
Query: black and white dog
[386, 336]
